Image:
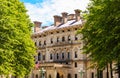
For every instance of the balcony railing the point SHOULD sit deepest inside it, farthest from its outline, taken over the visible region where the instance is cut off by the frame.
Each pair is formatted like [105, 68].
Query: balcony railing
[58, 44]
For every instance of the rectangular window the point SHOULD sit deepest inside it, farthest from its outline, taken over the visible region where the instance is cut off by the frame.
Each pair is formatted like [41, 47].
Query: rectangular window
[50, 56]
[43, 57]
[57, 56]
[62, 55]
[75, 75]
[75, 64]
[92, 75]
[68, 55]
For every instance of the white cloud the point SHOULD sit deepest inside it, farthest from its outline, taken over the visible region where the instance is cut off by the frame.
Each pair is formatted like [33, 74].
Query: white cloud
[45, 11]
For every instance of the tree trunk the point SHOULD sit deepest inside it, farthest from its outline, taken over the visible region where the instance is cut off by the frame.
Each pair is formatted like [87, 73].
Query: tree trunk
[107, 72]
[118, 70]
[111, 72]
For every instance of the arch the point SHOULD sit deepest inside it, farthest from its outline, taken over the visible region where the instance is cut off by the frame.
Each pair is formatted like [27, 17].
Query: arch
[69, 75]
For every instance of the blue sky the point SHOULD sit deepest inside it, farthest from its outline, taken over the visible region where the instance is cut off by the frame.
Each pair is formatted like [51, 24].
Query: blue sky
[31, 1]
[44, 10]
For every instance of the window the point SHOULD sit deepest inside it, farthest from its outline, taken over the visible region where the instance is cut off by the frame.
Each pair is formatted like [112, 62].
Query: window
[75, 64]
[68, 55]
[57, 56]
[36, 76]
[50, 56]
[39, 56]
[75, 28]
[43, 57]
[99, 74]
[57, 39]
[69, 38]
[75, 75]
[75, 54]
[35, 43]
[44, 42]
[39, 43]
[76, 38]
[51, 41]
[69, 75]
[63, 39]
[92, 75]
[68, 30]
[62, 55]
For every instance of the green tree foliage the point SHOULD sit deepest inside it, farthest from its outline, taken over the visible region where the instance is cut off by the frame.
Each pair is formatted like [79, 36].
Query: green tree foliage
[102, 32]
[16, 47]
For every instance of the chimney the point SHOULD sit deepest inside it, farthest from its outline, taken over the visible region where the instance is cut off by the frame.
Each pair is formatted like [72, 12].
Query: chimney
[64, 16]
[57, 20]
[71, 16]
[77, 14]
[37, 26]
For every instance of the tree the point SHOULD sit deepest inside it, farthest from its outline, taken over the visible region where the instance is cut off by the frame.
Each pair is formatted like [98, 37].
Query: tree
[101, 32]
[16, 47]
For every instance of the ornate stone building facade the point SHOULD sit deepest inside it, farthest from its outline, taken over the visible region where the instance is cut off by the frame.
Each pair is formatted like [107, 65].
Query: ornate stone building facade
[59, 50]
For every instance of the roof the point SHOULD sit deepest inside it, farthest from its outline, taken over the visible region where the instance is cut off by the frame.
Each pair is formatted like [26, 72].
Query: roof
[68, 24]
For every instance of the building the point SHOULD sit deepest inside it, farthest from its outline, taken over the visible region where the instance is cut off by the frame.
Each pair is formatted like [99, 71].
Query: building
[59, 50]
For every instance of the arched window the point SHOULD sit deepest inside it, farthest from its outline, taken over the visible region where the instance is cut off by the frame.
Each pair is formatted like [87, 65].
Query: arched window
[62, 55]
[69, 38]
[76, 38]
[57, 39]
[75, 54]
[51, 40]
[68, 55]
[39, 43]
[63, 38]
[51, 56]
[57, 56]
[39, 56]
[44, 42]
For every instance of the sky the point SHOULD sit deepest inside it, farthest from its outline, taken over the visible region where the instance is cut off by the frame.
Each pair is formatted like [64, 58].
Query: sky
[44, 10]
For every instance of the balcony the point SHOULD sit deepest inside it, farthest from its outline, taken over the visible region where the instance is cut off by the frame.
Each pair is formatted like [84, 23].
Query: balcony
[55, 65]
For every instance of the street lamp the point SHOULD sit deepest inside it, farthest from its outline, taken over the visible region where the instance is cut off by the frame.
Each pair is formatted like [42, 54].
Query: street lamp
[81, 71]
[42, 70]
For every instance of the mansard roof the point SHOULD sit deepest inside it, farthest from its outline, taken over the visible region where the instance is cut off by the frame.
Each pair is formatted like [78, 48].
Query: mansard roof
[69, 23]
